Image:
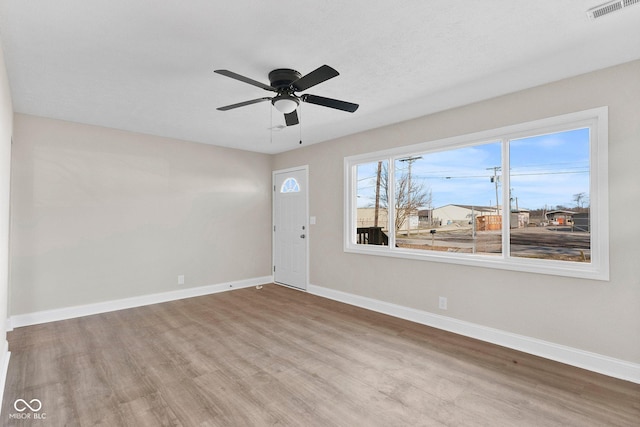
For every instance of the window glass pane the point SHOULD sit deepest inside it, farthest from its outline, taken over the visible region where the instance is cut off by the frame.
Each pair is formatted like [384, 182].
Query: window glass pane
[372, 222]
[450, 200]
[549, 196]
[290, 185]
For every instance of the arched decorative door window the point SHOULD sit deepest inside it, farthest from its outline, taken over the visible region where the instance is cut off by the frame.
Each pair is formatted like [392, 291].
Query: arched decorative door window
[290, 185]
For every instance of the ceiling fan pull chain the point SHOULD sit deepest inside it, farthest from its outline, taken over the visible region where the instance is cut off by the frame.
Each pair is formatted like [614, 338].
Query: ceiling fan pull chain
[300, 124]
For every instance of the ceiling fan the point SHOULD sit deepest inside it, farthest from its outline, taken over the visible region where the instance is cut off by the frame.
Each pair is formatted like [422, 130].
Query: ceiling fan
[285, 82]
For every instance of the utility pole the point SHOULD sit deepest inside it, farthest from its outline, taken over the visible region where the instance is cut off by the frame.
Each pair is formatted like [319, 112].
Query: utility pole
[409, 161]
[378, 179]
[495, 178]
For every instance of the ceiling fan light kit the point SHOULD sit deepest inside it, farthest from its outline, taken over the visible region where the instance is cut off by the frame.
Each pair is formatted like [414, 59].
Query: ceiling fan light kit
[285, 82]
[285, 103]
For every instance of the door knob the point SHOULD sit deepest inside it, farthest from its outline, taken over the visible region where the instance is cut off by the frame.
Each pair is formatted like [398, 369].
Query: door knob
[302, 236]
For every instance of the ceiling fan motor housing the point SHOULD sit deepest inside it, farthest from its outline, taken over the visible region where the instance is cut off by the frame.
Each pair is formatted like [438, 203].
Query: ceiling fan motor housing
[282, 78]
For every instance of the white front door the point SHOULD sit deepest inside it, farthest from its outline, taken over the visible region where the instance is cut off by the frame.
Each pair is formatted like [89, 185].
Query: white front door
[290, 227]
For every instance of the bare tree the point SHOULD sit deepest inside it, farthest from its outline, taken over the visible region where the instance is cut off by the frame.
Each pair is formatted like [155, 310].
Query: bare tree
[410, 195]
[579, 198]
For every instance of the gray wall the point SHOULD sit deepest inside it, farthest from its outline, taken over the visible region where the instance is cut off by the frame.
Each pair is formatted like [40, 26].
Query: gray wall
[100, 214]
[596, 316]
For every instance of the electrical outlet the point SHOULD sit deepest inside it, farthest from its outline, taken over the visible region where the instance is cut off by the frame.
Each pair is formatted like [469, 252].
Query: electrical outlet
[442, 303]
[181, 279]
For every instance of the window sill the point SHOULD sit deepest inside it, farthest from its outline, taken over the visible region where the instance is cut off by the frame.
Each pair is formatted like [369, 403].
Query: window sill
[498, 261]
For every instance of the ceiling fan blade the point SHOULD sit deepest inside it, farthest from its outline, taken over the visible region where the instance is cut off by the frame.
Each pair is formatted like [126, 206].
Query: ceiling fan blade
[242, 104]
[291, 119]
[315, 77]
[244, 79]
[331, 103]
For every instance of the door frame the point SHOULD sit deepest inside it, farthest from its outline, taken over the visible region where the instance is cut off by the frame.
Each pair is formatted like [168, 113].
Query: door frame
[305, 170]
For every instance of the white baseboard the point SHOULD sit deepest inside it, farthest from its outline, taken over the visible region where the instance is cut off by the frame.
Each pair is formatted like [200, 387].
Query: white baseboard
[35, 318]
[571, 356]
[5, 354]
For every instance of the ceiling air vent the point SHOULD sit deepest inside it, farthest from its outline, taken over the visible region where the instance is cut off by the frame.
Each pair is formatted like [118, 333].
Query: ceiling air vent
[610, 7]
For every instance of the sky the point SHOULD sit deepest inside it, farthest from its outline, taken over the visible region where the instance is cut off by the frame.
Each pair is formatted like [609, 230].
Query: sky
[546, 171]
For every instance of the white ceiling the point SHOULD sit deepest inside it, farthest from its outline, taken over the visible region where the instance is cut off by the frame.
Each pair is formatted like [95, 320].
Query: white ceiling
[147, 65]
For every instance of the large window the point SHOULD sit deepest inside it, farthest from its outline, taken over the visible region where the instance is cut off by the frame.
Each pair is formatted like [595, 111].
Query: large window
[529, 197]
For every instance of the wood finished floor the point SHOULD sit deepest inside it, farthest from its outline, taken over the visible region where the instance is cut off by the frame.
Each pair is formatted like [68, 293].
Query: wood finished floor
[277, 356]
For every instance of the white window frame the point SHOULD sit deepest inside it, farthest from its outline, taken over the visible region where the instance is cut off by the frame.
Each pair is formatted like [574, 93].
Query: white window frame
[598, 267]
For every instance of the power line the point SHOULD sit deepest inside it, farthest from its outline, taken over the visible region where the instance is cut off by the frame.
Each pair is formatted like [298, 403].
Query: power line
[485, 175]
